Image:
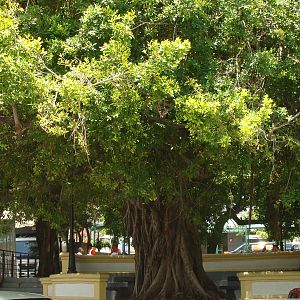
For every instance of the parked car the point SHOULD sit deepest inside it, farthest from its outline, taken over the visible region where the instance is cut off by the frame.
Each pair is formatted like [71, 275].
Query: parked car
[254, 247]
[294, 294]
[10, 295]
[292, 246]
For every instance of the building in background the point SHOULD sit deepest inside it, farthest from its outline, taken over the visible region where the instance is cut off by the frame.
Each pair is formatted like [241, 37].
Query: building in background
[7, 235]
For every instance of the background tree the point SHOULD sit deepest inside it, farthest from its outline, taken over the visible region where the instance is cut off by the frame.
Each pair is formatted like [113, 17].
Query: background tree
[35, 169]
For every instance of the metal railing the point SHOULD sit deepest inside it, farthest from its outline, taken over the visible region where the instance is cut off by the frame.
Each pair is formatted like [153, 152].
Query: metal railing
[17, 264]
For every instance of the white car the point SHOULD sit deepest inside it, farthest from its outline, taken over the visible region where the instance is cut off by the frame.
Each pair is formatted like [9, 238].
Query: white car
[10, 295]
[254, 247]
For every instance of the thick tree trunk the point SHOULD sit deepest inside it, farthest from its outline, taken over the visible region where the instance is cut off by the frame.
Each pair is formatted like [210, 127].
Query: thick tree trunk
[48, 249]
[167, 254]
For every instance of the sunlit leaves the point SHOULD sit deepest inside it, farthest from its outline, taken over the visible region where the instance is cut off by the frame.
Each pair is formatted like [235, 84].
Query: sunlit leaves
[146, 92]
[226, 117]
[109, 89]
[20, 63]
[168, 55]
[251, 124]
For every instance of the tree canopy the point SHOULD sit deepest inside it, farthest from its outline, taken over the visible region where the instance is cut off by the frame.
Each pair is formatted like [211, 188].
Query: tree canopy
[177, 114]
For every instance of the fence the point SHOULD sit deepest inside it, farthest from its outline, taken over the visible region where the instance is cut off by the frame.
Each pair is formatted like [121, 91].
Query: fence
[17, 264]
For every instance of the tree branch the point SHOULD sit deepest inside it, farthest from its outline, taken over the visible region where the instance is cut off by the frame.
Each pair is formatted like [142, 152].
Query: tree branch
[238, 221]
[18, 124]
[150, 23]
[167, 122]
[27, 5]
[275, 128]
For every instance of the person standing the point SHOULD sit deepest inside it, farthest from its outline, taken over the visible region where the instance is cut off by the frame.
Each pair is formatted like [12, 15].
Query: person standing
[115, 250]
[91, 250]
[275, 248]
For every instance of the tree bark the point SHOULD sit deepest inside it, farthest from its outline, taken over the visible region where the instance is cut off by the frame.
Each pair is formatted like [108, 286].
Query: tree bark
[168, 254]
[18, 124]
[48, 249]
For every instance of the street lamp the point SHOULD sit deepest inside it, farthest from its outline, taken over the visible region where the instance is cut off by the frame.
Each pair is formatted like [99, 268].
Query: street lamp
[72, 263]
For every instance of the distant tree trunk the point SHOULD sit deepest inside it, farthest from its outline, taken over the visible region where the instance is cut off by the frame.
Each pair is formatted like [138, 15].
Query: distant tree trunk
[88, 233]
[48, 249]
[251, 199]
[216, 235]
[212, 244]
[273, 213]
[275, 221]
[18, 124]
[167, 254]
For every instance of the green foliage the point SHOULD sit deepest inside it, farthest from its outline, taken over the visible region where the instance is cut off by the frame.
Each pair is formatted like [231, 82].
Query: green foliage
[150, 100]
[5, 227]
[224, 118]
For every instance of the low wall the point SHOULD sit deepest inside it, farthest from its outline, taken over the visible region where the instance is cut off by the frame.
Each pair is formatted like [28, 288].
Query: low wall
[84, 286]
[261, 275]
[284, 261]
[267, 285]
[99, 263]
[75, 286]
[271, 261]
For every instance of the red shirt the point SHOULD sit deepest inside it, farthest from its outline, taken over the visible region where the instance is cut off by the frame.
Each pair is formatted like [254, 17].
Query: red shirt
[91, 251]
[115, 250]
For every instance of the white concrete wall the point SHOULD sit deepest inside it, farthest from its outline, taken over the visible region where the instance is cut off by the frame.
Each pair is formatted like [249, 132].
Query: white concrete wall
[268, 285]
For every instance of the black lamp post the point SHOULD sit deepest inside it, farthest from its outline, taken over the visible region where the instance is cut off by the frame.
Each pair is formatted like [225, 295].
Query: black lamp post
[72, 263]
